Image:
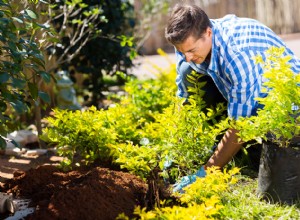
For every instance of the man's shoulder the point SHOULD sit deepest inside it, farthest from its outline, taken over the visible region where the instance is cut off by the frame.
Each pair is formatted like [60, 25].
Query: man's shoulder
[230, 21]
[226, 18]
[240, 33]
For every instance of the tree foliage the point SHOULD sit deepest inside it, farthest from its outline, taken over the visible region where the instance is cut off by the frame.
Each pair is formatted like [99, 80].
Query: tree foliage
[22, 64]
[148, 14]
[109, 53]
[75, 23]
[94, 38]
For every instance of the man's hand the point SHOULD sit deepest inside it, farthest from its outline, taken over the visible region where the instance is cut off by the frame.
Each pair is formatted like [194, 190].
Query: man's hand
[187, 180]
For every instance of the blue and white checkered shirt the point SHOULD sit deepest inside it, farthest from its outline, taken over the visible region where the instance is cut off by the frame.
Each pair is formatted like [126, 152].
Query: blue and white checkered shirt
[234, 44]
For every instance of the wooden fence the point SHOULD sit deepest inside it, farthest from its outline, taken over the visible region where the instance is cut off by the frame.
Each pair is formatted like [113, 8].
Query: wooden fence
[282, 16]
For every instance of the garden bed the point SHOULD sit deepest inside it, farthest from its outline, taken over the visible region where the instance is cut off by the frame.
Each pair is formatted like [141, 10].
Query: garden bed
[99, 192]
[94, 193]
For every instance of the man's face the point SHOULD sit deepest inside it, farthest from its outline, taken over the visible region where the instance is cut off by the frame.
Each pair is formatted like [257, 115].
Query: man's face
[196, 50]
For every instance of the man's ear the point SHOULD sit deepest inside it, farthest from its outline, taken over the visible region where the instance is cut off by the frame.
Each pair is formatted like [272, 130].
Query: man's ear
[209, 31]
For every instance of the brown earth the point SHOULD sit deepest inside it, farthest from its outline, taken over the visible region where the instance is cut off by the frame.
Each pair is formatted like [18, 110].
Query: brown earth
[12, 164]
[86, 193]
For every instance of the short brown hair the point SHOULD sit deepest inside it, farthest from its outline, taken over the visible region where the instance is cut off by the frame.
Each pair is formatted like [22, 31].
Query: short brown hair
[184, 21]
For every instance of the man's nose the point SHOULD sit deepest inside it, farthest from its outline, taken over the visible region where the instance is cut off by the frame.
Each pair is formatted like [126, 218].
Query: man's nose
[188, 57]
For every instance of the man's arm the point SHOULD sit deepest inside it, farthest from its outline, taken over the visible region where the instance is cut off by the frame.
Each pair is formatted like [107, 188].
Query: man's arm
[245, 77]
[226, 149]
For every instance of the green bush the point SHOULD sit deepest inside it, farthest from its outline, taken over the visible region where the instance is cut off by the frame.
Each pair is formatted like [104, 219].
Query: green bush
[92, 133]
[277, 118]
[220, 195]
[182, 134]
[22, 65]
[105, 51]
[141, 138]
[145, 130]
[85, 133]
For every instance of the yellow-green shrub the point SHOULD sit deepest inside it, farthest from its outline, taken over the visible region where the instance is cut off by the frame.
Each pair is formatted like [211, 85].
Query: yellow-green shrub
[139, 160]
[277, 116]
[201, 200]
[220, 195]
[151, 111]
[87, 133]
[186, 133]
[92, 133]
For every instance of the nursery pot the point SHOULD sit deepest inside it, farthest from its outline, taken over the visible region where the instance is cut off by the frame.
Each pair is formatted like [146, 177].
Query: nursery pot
[279, 173]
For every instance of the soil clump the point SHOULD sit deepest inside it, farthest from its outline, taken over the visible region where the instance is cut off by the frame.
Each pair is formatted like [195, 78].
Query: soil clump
[86, 193]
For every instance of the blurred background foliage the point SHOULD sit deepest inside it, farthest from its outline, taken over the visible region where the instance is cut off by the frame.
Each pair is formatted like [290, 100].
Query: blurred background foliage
[88, 39]
[22, 65]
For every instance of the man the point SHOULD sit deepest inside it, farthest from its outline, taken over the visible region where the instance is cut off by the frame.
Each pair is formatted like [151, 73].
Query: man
[222, 49]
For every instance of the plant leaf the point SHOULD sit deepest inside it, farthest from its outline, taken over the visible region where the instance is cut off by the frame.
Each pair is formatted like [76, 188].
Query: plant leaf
[18, 20]
[33, 90]
[44, 96]
[18, 83]
[46, 76]
[4, 77]
[31, 14]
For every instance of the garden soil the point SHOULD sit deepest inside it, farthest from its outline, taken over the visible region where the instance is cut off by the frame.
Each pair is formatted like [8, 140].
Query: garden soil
[89, 193]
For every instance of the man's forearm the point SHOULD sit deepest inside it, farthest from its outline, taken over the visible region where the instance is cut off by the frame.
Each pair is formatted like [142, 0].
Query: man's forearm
[226, 149]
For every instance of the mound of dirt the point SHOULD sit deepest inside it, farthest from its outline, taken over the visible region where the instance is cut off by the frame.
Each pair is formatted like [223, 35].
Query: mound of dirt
[95, 193]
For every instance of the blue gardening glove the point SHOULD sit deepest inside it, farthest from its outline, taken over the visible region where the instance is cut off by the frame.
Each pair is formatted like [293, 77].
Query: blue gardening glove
[168, 162]
[187, 180]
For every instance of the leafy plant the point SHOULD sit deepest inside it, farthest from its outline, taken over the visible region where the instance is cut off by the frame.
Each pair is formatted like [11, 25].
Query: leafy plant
[202, 199]
[101, 134]
[221, 195]
[146, 114]
[85, 133]
[108, 51]
[279, 119]
[186, 133]
[22, 65]
[140, 160]
[148, 97]
[181, 134]
[77, 28]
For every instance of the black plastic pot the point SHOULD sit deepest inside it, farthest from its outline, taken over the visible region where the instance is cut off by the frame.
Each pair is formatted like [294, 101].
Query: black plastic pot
[279, 174]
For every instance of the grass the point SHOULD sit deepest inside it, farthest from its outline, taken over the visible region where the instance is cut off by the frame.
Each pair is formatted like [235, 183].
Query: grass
[241, 202]
[225, 195]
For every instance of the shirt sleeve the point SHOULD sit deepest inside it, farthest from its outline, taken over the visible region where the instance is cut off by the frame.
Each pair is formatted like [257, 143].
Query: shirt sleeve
[246, 81]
